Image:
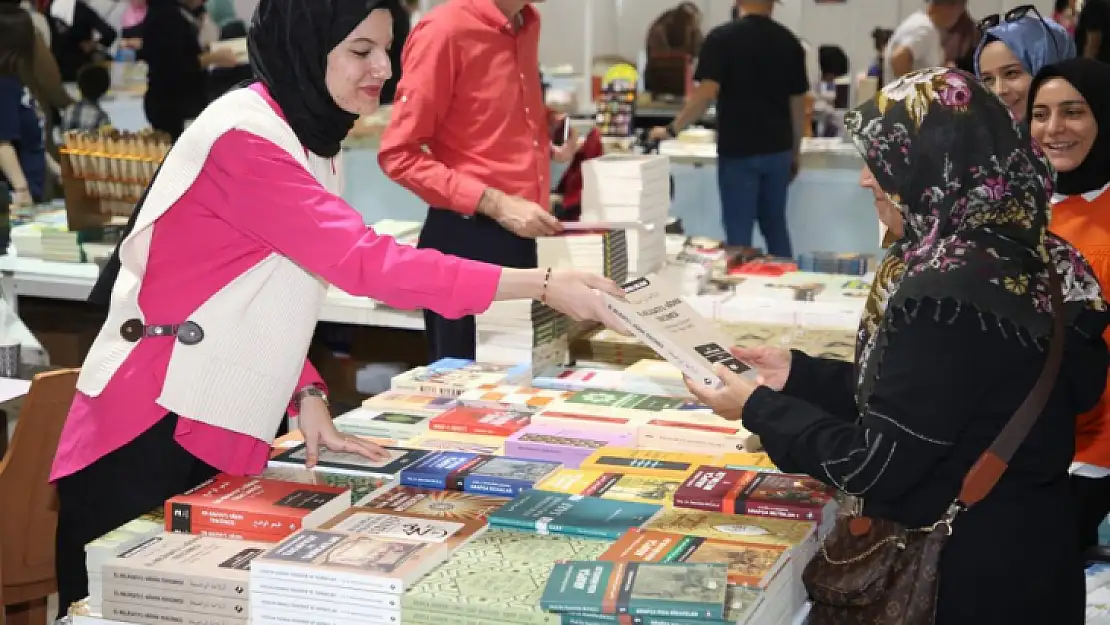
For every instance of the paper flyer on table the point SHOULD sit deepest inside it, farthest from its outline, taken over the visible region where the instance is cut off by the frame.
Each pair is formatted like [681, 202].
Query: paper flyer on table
[659, 317]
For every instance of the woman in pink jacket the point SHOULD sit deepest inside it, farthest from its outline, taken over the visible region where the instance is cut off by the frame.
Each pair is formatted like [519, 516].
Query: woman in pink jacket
[214, 292]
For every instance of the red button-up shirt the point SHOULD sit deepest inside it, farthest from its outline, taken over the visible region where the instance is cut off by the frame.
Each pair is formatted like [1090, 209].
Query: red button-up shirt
[471, 94]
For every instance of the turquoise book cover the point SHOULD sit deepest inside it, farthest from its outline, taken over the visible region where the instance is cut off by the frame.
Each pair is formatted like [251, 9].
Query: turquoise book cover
[546, 512]
[670, 589]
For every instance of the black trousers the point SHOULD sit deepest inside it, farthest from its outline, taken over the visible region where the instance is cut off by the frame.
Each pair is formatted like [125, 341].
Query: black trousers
[121, 486]
[476, 238]
[1092, 504]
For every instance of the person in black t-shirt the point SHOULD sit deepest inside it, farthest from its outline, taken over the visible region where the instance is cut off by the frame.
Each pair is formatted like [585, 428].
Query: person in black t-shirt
[755, 69]
[1092, 34]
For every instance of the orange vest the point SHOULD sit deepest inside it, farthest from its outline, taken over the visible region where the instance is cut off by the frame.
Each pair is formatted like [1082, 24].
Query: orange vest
[1086, 225]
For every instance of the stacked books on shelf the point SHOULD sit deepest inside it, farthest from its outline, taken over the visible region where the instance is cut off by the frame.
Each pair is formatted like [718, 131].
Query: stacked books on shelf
[627, 188]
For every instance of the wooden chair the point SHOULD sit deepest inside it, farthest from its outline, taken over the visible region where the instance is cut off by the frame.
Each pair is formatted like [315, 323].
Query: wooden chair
[28, 501]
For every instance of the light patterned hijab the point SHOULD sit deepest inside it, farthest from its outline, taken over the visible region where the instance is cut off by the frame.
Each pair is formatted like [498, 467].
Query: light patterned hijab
[973, 189]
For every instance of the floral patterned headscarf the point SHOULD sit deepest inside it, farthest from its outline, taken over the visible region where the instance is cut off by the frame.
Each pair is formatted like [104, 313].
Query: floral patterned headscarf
[973, 189]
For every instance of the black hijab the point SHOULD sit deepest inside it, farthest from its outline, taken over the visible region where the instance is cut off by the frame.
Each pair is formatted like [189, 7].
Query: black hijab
[1091, 79]
[289, 42]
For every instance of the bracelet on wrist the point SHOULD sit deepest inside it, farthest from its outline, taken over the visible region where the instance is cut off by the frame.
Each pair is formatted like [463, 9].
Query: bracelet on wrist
[309, 391]
[546, 281]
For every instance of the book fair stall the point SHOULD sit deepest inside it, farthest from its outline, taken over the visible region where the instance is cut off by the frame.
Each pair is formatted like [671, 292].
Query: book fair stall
[565, 476]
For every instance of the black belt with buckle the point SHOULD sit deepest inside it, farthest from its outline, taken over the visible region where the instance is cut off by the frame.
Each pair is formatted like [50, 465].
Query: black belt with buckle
[188, 333]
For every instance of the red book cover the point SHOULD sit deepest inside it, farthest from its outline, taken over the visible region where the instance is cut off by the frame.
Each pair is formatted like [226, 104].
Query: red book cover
[734, 491]
[253, 508]
[483, 421]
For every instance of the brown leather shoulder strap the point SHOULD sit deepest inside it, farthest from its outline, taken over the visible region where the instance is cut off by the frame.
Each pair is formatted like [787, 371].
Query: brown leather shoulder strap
[992, 464]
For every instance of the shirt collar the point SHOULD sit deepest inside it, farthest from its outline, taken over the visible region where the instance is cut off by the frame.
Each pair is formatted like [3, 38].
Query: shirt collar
[488, 12]
[1090, 196]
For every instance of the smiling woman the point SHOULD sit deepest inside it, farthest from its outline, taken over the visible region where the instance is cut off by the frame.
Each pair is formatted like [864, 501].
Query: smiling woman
[1071, 120]
[1012, 52]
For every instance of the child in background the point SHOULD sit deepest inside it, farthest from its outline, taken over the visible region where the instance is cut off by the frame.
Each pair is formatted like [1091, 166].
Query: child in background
[93, 81]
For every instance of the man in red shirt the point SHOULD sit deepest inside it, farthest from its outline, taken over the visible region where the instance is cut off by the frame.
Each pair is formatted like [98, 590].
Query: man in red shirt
[469, 135]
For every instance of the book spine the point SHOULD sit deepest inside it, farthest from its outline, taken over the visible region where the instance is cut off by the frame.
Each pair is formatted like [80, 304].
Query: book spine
[166, 599]
[574, 608]
[501, 487]
[471, 428]
[147, 615]
[777, 510]
[513, 523]
[269, 593]
[698, 501]
[583, 531]
[167, 580]
[456, 614]
[424, 480]
[260, 569]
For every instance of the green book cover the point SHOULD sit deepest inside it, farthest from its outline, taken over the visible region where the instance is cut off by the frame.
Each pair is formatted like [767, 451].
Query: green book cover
[546, 512]
[668, 589]
[498, 576]
[631, 401]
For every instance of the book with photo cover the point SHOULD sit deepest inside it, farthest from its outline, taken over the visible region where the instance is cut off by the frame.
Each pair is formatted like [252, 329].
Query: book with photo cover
[341, 462]
[658, 316]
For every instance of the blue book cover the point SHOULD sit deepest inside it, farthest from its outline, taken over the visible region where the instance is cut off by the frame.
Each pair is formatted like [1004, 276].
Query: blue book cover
[476, 473]
[436, 470]
[546, 512]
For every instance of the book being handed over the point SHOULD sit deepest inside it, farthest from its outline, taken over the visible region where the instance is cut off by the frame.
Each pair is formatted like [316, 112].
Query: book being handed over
[657, 315]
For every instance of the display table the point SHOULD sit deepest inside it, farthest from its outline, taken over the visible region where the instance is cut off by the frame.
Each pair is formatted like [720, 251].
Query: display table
[31, 277]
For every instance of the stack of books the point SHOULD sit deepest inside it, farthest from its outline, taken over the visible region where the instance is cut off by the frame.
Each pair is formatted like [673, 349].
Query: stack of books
[354, 569]
[178, 578]
[602, 252]
[523, 331]
[623, 188]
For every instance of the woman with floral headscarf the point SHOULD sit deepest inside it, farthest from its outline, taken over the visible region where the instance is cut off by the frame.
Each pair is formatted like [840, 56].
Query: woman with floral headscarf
[954, 335]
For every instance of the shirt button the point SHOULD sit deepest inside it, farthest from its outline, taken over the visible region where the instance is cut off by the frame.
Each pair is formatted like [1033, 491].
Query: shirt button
[522, 75]
[536, 144]
[404, 98]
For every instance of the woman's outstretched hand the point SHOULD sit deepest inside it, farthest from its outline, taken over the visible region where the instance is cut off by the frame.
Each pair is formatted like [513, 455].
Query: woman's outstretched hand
[319, 431]
[771, 364]
[577, 294]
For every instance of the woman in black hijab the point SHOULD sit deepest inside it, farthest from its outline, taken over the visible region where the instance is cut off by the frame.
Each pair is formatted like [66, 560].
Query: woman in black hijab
[230, 252]
[1069, 115]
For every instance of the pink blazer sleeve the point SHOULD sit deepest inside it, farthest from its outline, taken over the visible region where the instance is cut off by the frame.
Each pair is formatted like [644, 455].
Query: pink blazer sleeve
[264, 193]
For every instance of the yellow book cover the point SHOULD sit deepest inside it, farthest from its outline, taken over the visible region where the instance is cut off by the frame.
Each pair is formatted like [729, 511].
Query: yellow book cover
[747, 528]
[669, 464]
[614, 486]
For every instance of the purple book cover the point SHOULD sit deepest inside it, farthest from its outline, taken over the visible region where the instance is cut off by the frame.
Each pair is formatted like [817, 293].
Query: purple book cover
[540, 441]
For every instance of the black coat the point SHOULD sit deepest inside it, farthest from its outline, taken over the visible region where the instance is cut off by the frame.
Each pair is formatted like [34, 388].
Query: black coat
[950, 379]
